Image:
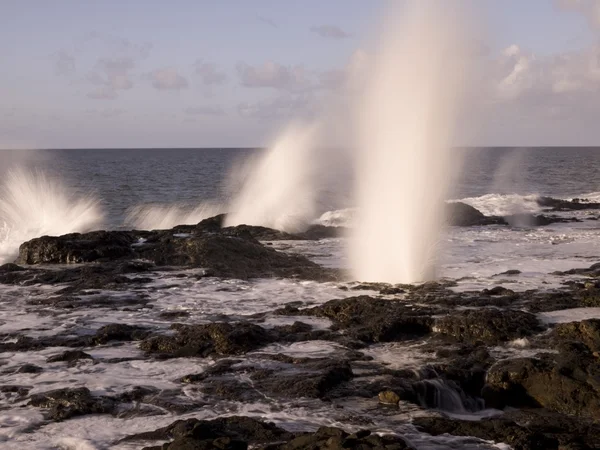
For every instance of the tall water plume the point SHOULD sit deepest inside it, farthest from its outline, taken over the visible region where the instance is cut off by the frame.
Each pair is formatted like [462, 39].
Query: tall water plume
[405, 161]
[278, 188]
[33, 205]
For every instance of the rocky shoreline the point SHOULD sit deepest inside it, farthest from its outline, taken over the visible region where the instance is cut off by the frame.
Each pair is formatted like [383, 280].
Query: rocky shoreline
[468, 343]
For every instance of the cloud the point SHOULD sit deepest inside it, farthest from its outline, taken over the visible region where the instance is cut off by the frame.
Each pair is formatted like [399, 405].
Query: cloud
[105, 113]
[168, 79]
[209, 74]
[330, 32]
[102, 93]
[267, 21]
[273, 75]
[589, 8]
[111, 75]
[64, 63]
[285, 106]
[204, 111]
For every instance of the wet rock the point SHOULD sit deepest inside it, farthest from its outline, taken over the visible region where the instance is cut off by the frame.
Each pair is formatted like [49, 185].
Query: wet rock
[463, 215]
[566, 205]
[10, 267]
[193, 432]
[316, 232]
[70, 356]
[388, 398]
[536, 220]
[29, 368]
[586, 331]
[119, 332]
[209, 339]
[524, 429]
[312, 379]
[497, 430]
[491, 326]
[77, 248]
[334, 438]
[239, 432]
[567, 382]
[223, 254]
[371, 319]
[66, 403]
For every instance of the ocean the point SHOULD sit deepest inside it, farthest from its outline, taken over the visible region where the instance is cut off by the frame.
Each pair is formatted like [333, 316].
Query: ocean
[161, 188]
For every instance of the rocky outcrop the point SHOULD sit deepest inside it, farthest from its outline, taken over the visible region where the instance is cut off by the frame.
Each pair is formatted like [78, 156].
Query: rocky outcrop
[66, 403]
[210, 339]
[371, 319]
[240, 432]
[490, 326]
[566, 382]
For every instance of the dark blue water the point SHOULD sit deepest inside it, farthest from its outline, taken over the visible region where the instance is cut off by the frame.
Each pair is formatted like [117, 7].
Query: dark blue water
[125, 178]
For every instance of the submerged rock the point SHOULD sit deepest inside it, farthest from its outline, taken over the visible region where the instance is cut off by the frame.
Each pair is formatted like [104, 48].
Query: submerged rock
[210, 339]
[66, 403]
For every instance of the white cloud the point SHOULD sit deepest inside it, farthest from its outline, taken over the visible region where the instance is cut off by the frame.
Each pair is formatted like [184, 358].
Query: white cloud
[64, 63]
[330, 31]
[273, 75]
[267, 21]
[168, 79]
[204, 111]
[103, 93]
[589, 8]
[209, 74]
[281, 107]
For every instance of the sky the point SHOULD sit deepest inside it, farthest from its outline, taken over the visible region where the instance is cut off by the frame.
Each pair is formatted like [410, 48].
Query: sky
[232, 73]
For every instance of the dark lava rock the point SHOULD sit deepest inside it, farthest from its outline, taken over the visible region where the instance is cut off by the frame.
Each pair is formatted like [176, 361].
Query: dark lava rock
[566, 205]
[536, 220]
[239, 432]
[119, 332]
[77, 248]
[69, 356]
[30, 368]
[371, 319]
[312, 379]
[491, 326]
[316, 232]
[463, 215]
[10, 267]
[567, 382]
[334, 438]
[245, 429]
[259, 233]
[522, 430]
[66, 403]
[221, 254]
[210, 339]
[586, 331]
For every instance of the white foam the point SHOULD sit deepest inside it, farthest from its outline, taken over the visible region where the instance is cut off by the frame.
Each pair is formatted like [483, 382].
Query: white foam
[33, 204]
[337, 218]
[503, 204]
[570, 315]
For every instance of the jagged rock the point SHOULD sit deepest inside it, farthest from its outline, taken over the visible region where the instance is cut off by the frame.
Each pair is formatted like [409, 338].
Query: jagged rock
[522, 430]
[239, 432]
[223, 254]
[371, 319]
[491, 326]
[66, 403]
[567, 382]
[209, 339]
[69, 356]
[566, 205]
[119, 332]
